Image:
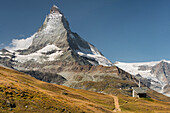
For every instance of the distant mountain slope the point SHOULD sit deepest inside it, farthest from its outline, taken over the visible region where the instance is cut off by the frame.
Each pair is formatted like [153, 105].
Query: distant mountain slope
[22, 93]
[157, 74]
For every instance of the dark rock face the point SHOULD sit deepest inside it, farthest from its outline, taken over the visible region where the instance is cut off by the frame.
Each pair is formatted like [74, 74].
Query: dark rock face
[47, 77]
[162, 72]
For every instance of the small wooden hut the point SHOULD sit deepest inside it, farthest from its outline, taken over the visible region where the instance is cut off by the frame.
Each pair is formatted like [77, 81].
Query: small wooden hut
[139, 92]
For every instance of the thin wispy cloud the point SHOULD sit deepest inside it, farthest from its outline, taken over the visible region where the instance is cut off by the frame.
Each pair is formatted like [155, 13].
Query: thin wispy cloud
[21, 35]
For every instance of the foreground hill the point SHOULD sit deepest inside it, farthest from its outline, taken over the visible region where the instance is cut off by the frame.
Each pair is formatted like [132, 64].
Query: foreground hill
[22, 93]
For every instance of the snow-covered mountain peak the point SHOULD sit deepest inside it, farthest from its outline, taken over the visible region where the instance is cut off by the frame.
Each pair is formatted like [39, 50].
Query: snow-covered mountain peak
[54, 20]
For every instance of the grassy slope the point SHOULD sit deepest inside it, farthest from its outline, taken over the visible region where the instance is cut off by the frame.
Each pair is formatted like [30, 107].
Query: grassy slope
[22, 93]
[143, 105]
[112, 85]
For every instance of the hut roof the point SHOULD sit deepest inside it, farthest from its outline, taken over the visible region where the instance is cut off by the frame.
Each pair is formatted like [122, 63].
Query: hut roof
[140, 89]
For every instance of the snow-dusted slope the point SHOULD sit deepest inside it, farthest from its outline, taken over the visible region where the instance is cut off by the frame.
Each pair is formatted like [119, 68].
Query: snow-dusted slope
[158, 72]
[94, 54]
[48, 53]
[134, 68]
[5, 54]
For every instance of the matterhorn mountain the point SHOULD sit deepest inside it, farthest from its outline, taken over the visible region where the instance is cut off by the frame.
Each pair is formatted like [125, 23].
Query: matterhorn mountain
[155, 75]
[53, 46]
[54, 41]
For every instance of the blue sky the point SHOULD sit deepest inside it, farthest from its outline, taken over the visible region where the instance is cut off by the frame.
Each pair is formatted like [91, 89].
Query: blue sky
[123, 30]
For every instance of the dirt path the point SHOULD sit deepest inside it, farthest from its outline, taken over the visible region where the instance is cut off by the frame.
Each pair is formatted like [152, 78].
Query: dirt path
[116, 101]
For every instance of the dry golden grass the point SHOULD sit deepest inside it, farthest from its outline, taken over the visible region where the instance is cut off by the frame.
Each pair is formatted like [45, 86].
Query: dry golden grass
[22, 93]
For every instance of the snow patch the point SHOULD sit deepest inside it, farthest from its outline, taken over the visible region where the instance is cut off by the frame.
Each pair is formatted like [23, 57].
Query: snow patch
[94, 54]
[2, 56]
[39, 56]
[49, 48]
[53, 23]
[100, 59]
[94, 50]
